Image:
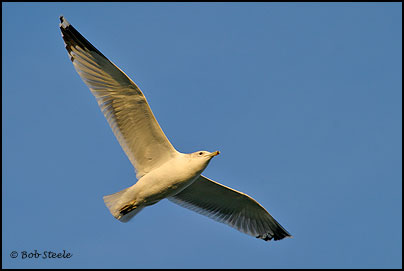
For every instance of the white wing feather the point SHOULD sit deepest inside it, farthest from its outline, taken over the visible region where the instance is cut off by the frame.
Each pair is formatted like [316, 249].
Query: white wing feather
[122, 102]
[231, 207]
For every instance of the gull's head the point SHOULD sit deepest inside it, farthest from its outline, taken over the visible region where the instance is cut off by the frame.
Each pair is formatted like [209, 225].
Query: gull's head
[205, 154]
[200, 159]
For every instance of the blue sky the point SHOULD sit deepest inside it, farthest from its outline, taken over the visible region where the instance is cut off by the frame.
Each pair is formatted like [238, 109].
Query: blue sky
[304, 101]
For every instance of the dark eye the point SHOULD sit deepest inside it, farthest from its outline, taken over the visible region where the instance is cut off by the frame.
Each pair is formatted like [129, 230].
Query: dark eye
[200, 153]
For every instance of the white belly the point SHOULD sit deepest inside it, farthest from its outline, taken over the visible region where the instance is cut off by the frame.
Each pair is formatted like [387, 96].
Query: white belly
[165, 181]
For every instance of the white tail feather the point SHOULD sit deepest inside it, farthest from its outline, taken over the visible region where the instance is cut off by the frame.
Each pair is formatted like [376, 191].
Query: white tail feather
[115, 202]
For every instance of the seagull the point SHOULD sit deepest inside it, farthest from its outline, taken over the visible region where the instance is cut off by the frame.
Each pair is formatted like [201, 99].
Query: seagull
[161, 171]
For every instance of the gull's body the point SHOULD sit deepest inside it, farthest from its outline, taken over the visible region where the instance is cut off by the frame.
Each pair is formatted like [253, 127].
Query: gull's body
[162, 171]
[165, 181]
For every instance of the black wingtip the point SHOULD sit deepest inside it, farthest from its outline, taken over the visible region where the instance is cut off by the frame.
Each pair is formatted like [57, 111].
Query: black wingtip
[279, 235]
[265, 237]
[73, 38]
[63, 22]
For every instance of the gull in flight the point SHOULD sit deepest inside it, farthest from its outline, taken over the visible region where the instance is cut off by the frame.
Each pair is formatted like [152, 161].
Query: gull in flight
[161, 170]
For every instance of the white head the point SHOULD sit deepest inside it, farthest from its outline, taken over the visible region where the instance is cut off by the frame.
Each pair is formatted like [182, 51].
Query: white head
[201, 159]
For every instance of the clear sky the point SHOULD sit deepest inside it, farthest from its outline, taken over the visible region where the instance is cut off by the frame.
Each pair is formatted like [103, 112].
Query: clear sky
[304, 101]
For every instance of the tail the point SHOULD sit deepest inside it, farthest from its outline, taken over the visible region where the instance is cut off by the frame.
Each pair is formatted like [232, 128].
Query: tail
[119, 206]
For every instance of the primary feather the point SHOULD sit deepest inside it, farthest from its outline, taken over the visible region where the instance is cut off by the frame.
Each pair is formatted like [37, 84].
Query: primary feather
[122, 102]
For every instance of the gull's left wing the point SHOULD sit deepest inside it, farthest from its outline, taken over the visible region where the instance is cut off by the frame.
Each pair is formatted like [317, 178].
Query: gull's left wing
[230, 207]
[123, 104]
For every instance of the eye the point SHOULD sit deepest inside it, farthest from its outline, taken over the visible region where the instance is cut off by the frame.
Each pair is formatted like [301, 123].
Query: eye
[200, 153]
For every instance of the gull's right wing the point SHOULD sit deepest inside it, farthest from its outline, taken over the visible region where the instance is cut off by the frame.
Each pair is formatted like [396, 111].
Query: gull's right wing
[123, 104]
[230, 207]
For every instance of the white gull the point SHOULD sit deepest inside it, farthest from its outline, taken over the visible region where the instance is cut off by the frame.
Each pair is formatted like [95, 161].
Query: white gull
[161, 170]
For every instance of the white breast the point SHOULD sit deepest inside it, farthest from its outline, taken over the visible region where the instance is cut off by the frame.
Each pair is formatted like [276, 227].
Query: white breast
[167, 180]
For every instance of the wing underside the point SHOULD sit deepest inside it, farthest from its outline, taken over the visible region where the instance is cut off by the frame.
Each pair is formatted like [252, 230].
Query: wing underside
[230, 207]
[121, 101]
